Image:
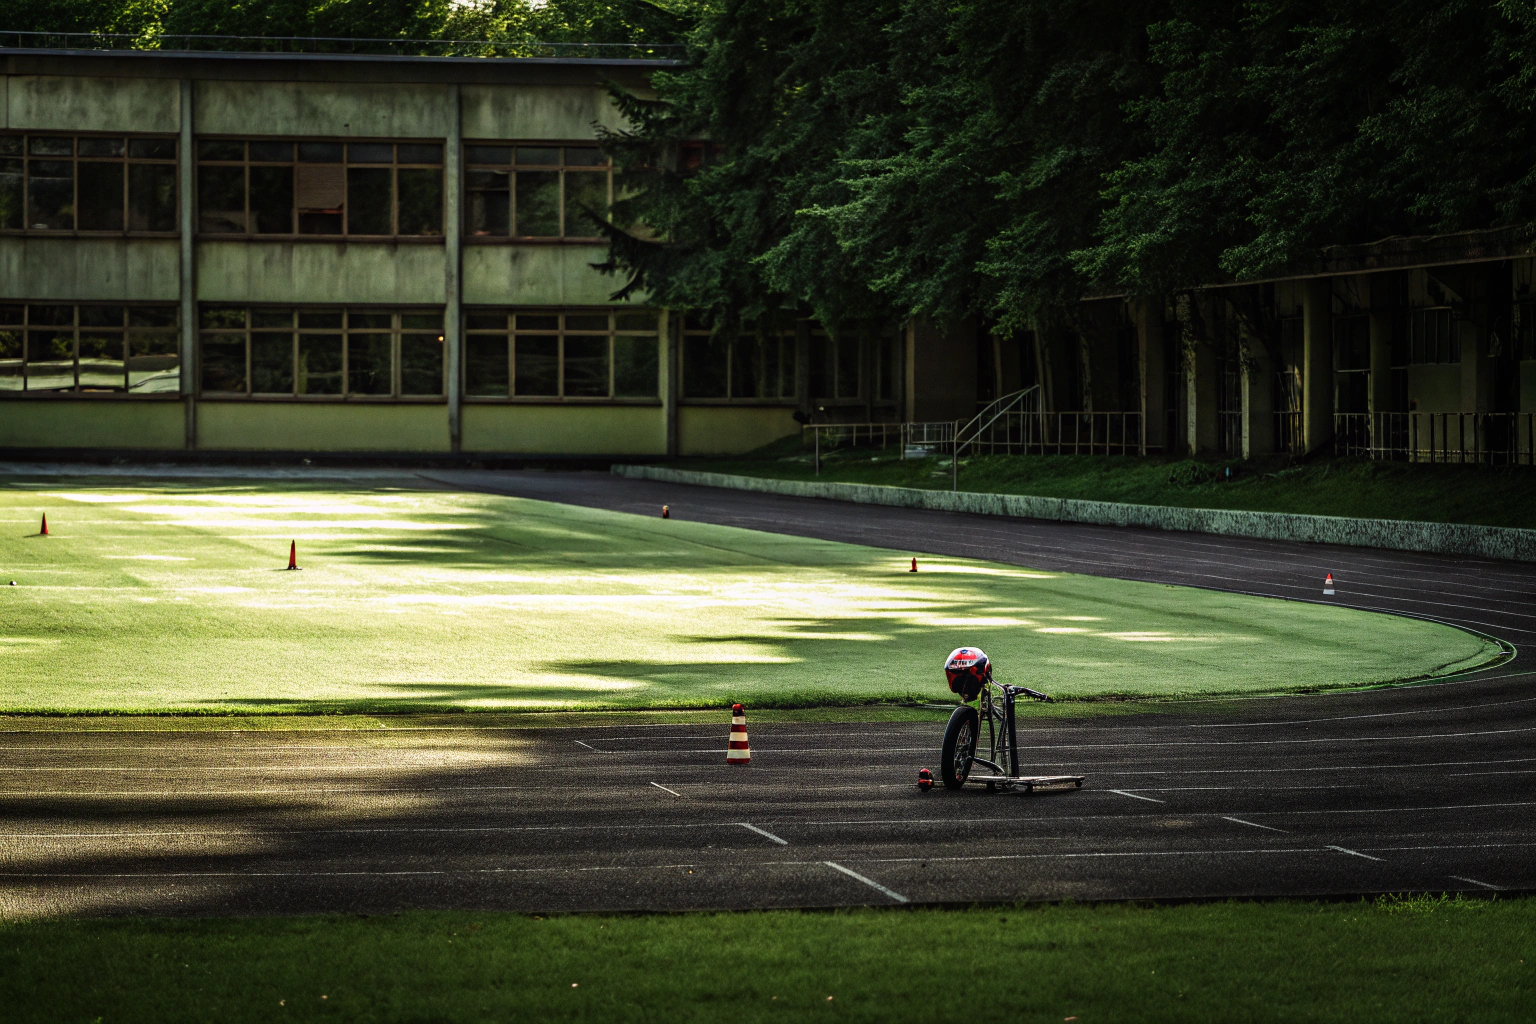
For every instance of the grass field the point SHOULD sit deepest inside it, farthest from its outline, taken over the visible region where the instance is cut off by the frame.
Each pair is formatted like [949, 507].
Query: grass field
[1489, 496]
[1413, 959]
[171, 597]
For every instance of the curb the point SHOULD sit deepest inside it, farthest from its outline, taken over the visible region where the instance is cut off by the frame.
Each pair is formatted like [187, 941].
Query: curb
[1393, 534]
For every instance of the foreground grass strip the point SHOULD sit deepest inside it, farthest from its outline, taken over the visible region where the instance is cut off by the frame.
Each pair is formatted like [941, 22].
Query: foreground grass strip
[173, 597]
[1425, 958]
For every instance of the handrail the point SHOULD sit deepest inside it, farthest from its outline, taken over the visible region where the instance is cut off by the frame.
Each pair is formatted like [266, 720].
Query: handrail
[999, 408]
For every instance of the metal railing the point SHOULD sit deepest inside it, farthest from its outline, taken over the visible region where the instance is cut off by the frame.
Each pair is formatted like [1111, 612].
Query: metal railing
[337, 44]
[1487, 438]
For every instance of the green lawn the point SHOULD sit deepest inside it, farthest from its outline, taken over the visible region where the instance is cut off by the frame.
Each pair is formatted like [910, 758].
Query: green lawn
[1489, 496]
[171, 597]
[1423, 959]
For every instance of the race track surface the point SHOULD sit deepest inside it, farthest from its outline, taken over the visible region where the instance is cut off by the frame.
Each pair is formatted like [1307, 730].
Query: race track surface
[1415, 788]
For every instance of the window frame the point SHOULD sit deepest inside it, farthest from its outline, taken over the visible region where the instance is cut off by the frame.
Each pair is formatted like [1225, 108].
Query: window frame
[1418, 341]
[512, 332]
[786, 371]
[126, 329]
[396, 330]
[395, 166]
[75, 160]
[469, 237]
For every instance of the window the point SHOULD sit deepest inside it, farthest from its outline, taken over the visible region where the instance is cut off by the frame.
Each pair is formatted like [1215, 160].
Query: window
[54, 347]
[834, 365]
[1432, 336]
[549, 354]
[281, 187]
[743, 367]
[88, 183]
[285, 352]
[536, 191]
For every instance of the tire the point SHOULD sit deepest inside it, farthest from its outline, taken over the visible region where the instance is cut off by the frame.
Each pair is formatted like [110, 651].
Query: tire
[959, 746]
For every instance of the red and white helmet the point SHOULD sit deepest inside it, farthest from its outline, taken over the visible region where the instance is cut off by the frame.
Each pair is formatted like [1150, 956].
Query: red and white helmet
[967, 668]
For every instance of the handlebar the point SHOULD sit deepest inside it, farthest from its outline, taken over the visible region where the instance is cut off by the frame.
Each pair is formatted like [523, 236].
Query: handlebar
[1032, 693]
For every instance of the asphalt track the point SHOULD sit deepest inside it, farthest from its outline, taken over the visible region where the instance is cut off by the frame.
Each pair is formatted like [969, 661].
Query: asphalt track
[1414, 788]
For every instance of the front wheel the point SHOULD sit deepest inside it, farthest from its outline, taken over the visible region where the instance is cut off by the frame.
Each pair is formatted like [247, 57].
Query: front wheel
[959, 745]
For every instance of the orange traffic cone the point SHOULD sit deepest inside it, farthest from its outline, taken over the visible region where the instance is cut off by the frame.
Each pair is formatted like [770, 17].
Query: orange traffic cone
[1328, 586]
[44, 531]
[914, 566]
[293, 554]
[666, 512]
[739, 752]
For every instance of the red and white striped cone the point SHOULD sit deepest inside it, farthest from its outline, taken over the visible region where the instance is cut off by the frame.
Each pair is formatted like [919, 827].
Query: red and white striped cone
[739, 752]
[1328, 586]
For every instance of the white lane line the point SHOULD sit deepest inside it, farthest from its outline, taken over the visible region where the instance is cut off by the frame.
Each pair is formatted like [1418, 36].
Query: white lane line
[898, 897]
[1473, 881]
[1082, 856]
[1133, 796]
[666, 790]
[1354, 853]
[1255, 824]
[587, 745]
[762, 832]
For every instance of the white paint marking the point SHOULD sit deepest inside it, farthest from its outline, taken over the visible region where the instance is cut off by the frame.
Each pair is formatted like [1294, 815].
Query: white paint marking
[666, 790]
[587, 745]
[1353, 853]
[1255, 824]
[1473, 881]
[1134, 796]
[761, 832]
[898, 897]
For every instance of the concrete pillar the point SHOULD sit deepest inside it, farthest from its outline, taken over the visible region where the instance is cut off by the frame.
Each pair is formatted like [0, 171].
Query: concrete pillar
[453, 277]
[1317, 365]
[1258, 375]
[1154, 370]
[1200, 381]
[1381, 344]
[186, 165]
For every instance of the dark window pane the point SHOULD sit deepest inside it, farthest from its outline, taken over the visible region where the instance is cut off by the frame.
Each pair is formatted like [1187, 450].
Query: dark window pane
[51, 145]
[635, 366]
[703, 367]
[320, 152]
[486, 321]
[586, 322]
[421, 202]
[319, 223]
[152, 149]
[369, 200]
[154, 361]
[101, 197]
[319, 369]
[101, 316]
[223, 362]
[537, 322]
[422, 321]
[11, 179]
[10, 145]
[368, 365]
[538, 155]
[272, 152]
[101, 360]
[152, 316]
[272, 200]
[485, 365]
[271, 363]
[421, 364]
[488, 154]
[584, 156]
[370, 153]
[538, 365]
[53, 316]
[538, 204]
[220, 149]
[586, 198]
[13, 314]
[787, 367]
[489, 213]
[50, 360]
[10, 359]
[747, 369]
[221, 199]
[847, 367]
[51, 195]
[271, 318]
[221, 316]
[357, 320]
[320, 318]
[420, 153]
[100, 147]
[151, 197]
[586, 367]
[637, 321]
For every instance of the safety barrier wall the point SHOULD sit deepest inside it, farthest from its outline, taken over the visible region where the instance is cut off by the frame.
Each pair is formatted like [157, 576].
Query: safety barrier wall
[1398, 535]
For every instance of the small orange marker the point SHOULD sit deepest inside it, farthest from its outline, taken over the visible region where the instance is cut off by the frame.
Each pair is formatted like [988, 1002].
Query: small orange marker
[1328, 585]
[666, 512]
[44, 531]
[738, 751]
[914, 566]
[293, 554]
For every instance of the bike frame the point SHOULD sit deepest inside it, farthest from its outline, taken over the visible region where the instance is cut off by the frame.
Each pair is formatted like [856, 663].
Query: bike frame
[996, 707]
